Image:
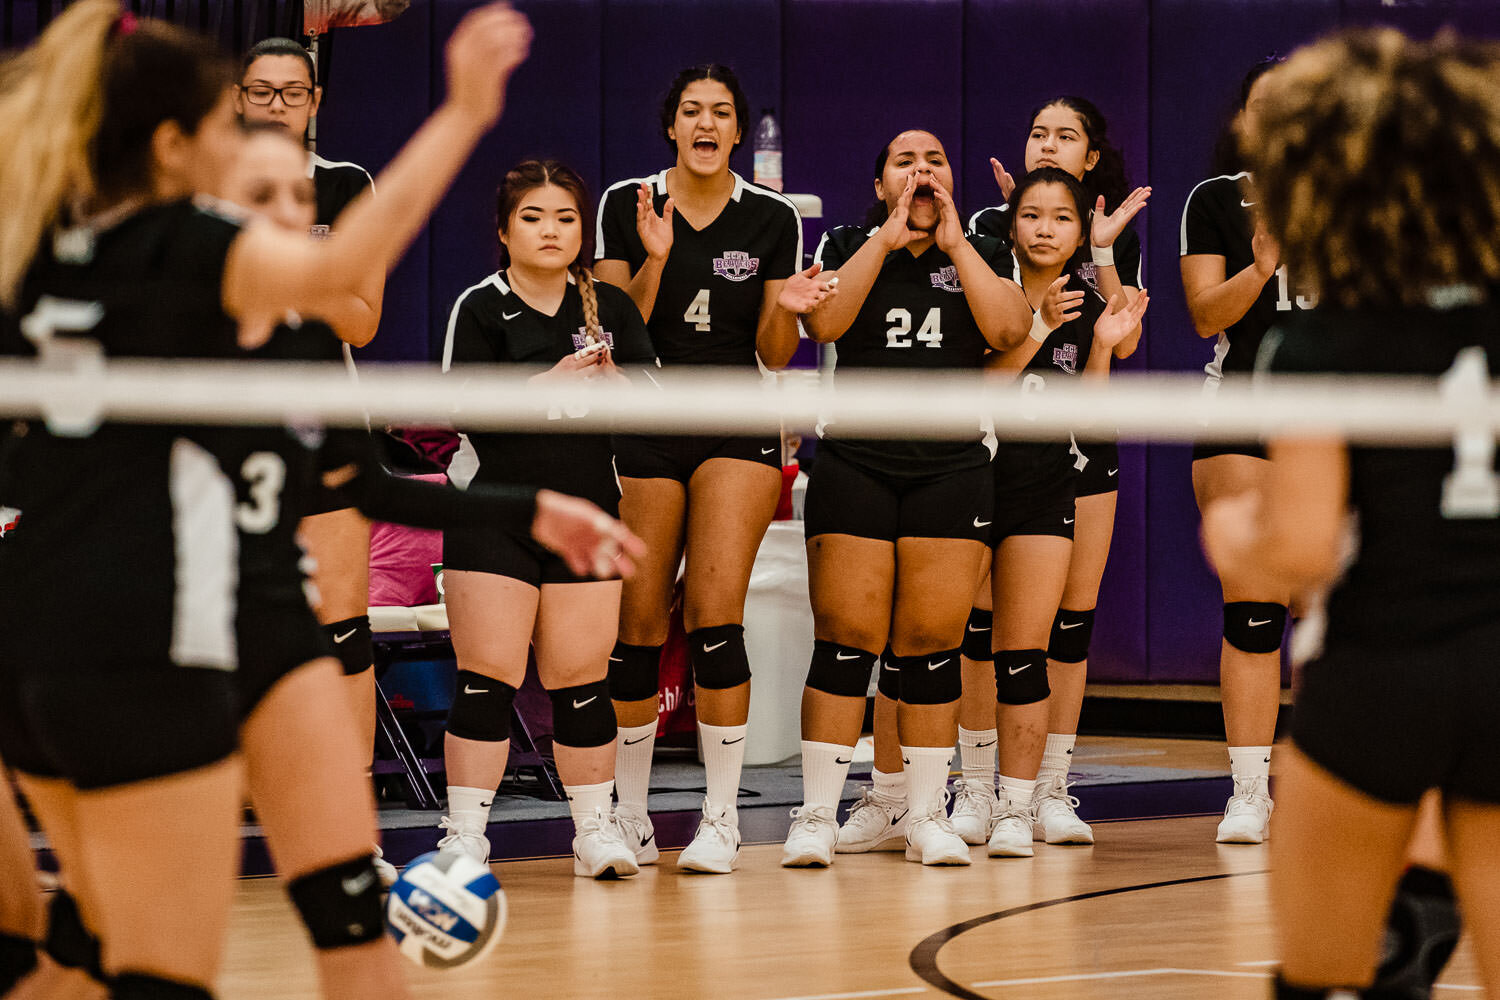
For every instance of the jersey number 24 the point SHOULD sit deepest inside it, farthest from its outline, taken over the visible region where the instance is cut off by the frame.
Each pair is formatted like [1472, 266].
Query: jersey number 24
[898, 334]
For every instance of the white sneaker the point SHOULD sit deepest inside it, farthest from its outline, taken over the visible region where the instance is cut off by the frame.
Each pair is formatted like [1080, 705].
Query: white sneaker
[639, 833]
[715, 845]
[1011, 837]
[875, 823]
[600, 850]
[810, 841]
[974, 806]
[387, 871]
[1247, 816]
[1056, 814]
[464, 838]
[933, 841]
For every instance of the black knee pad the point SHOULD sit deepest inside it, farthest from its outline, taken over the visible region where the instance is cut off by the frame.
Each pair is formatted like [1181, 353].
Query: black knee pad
[1421, 932]
[340, 905]
[634, 672]
[352, 644]
[934, 679]
[139, 986]
[1254, 626]
[1021, 676]
[69, 942]
[977, 635]
[17, 959]
[583, 716]
[1071, 632]
[889, 678]
[481, 708]
[840, 670]
[718, 655]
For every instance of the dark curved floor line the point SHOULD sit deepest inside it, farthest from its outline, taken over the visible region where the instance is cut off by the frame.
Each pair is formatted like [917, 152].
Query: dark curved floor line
[924, 956]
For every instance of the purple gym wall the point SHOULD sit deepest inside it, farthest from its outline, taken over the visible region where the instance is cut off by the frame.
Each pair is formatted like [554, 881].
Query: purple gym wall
[844, 76]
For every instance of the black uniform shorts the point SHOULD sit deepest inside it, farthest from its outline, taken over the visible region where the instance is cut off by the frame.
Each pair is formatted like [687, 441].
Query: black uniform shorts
[1395, 720]
[274, 638]
[640, 456]
[1047, 509]
[845, 499]
[504, 553]
[1101, 473]
[109, 723]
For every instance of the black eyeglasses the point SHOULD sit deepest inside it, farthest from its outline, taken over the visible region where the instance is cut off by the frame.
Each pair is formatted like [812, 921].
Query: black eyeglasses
[262, 94]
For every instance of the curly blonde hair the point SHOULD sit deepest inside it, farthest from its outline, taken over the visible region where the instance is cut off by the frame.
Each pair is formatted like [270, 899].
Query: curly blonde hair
[1377, 162]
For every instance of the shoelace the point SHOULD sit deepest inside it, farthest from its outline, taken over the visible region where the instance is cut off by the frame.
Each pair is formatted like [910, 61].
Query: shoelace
[867, 800]
[457, 831]
[1247, 798]
[810, 817]
[720, 823]
[1057, 788]
[970, 792]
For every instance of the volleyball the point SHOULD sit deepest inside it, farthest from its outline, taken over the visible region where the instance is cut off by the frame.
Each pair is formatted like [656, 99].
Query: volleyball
[446, 910]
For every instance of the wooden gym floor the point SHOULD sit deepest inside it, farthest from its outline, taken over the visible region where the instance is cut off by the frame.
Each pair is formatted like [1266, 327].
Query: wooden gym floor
[1154, 909]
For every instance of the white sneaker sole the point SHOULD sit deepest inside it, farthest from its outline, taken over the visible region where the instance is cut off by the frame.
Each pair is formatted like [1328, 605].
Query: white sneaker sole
[950, 857]
[647, 853]
[809, 858]
[621, 866]
[1082, 833]
[1241, 836]
[1009, 850]
[689, 862]
[972, 836]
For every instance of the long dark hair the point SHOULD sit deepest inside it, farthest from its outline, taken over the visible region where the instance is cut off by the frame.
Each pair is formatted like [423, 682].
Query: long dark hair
[706, 71]
[1108, 174]
[280, 47]
[1052, 175]
[1227, 156]
[528, 175]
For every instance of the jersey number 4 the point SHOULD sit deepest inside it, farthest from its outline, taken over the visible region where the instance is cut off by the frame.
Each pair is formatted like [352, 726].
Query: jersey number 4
[899, 332]
[697, 312]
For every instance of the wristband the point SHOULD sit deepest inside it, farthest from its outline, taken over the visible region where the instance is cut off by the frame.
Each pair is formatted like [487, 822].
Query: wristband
[1039, 329]
[1103, 256]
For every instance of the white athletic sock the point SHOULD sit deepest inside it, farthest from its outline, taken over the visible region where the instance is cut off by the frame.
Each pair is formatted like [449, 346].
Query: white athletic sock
[723, 757]
[926, 777]
[1016, 790]
[824, 768]
[890, 787]
[976, 754]
[470, 806]
[584, 800]
[633, 751]
[1246, 763]
[1057, 758]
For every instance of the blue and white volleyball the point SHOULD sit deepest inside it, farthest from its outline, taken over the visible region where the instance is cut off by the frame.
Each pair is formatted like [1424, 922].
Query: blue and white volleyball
[446, 910]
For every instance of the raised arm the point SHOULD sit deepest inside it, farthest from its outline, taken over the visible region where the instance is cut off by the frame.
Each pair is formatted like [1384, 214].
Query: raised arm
[270, 272]
[656, 236]
[1104, 231]
[998, 304]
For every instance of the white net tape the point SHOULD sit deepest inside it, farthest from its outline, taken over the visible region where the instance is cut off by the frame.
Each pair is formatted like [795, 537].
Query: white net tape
[74, 395]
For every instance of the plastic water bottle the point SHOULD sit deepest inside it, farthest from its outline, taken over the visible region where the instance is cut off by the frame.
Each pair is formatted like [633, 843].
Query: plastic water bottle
[768, 151]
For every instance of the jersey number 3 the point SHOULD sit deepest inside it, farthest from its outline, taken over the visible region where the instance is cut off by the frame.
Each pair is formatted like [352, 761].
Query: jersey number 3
[899, 332]
[264, 473]
[697, 312]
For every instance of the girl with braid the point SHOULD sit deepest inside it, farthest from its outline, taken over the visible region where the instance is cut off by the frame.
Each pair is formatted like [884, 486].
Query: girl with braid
[506, 595]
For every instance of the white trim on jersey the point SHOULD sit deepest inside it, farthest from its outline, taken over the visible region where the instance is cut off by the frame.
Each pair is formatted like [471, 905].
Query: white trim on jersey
[974, 219]
[207, 559]
[314, 161]
[1182, 244]
[493, 281]
[740, 186]
[630, 182]
[818, 253]
[464, 465]
[1215, 368]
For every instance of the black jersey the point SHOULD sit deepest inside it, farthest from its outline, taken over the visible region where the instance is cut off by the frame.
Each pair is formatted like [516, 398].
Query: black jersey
[708, 304]
[490, 324]
[1216, 221]
[1065, 352]
[1418, 575]
[915, 316]
[337, 184]
[126, 546]
[995, 221]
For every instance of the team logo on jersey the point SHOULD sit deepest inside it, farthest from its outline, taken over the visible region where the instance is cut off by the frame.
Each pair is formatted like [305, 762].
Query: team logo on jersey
[736, 265]
[319, 232]
[947, 279]
[1066, 358]
[1089, 272]
[581, 339]
[9, 518]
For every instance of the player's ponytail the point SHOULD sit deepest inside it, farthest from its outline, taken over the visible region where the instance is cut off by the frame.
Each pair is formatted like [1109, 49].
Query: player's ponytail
[592, 331]
[51, 101]
[79, 110]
